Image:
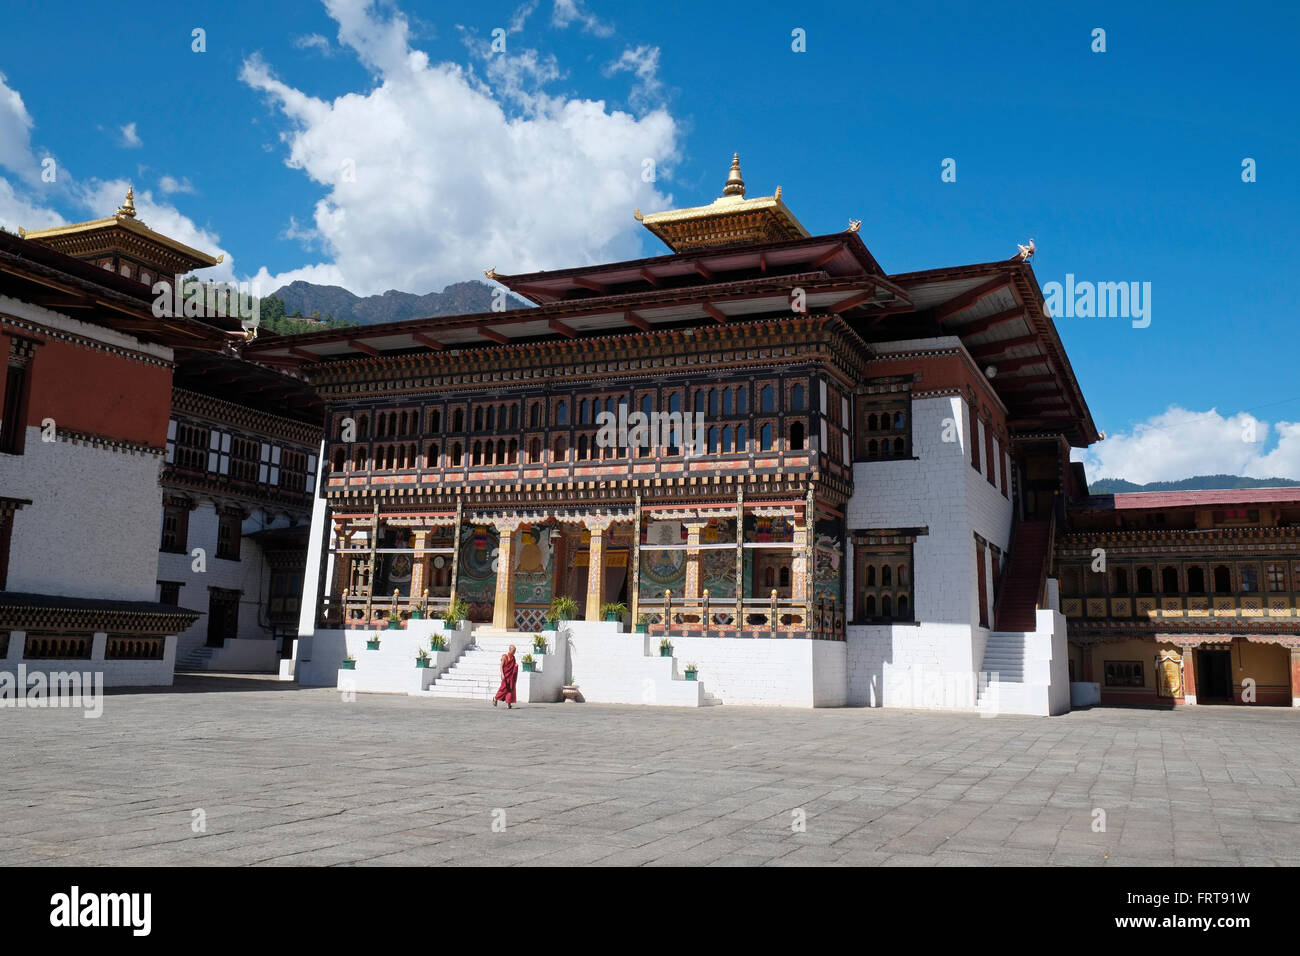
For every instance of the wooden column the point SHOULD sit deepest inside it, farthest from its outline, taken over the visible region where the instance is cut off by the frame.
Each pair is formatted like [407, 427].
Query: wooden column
[1295, 677]
[740, 561]
[1189, 674]
[596, 525]
[419, 567]
[374, 543]
[692, 589]
[503, 611]
[455, 555]
[634, 572]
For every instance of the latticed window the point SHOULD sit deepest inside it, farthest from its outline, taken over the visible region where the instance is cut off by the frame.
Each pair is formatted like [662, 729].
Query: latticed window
[229, 528]
[190, 447]
[882, 579]
[885, 430]
[1275, 574]
[245, 457]
[175, 530]
[1124, 674]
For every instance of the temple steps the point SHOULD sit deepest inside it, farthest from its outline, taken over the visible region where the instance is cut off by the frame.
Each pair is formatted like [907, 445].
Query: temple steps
[196, 658]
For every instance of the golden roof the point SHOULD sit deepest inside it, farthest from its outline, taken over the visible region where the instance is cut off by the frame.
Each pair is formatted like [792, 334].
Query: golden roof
[729, 220]
[124, 218]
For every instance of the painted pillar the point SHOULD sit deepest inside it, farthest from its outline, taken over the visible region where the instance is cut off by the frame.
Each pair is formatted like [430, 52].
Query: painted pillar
[455, 554]
[634, 555]
[693, 530]
[419, 567]
[596, 526]
[740, 560]
[503, 611]
[1189, 674]
[1295, 677]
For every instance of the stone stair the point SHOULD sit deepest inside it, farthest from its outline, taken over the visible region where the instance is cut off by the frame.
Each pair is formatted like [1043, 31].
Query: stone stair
[1002, 679]
[196, 658]
[476, 675]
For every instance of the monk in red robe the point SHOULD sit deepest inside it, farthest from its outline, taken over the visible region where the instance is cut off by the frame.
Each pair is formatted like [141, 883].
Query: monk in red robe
[509, 674]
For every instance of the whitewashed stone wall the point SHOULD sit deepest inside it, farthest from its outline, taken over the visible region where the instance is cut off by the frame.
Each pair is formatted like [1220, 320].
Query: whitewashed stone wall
[116, 673]
[74, 541]
[249, 574]
[942, 492]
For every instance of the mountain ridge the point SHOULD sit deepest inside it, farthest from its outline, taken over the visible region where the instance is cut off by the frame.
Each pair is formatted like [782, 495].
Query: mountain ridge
[1116, 486]
[458, 298]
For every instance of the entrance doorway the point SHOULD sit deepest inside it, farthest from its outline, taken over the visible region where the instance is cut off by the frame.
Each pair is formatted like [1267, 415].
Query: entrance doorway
[1213, 677]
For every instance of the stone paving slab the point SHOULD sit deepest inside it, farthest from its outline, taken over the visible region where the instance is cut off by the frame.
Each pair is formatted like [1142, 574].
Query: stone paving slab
[288, 776]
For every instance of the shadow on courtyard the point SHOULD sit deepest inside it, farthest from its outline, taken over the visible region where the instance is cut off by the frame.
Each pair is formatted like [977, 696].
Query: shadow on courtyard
[212, 683]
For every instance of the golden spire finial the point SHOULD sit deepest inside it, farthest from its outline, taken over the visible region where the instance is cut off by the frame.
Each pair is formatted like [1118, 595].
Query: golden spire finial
[735, 185]
[127, 208]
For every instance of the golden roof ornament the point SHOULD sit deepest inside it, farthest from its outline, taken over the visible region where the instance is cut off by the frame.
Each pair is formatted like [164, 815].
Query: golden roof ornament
[735, 185]
[127, 209]
[854, 225]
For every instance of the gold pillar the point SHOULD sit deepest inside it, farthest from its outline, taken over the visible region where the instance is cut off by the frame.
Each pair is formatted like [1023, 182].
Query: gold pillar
[419, 567]
[740, 561]
[455, 554]
[693, 529]
[503, 612]
[596, 525]
[634, 568]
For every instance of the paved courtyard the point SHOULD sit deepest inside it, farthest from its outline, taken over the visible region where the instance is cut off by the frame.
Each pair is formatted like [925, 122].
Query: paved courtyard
[238, 771]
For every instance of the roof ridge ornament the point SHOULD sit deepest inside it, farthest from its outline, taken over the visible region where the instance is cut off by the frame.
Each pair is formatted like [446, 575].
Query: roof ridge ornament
[127, 209]
[735, 185]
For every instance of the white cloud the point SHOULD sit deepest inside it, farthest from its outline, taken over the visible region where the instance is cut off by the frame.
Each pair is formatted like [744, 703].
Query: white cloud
[521, 15]
[643, 63]
[15, 134]
[1179, 443]
[566, 12]
[314, 41]
[130, 138]
[428, 179]
[170, 184]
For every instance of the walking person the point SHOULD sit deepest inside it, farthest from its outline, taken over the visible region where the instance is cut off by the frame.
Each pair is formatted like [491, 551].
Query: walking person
[509, 674]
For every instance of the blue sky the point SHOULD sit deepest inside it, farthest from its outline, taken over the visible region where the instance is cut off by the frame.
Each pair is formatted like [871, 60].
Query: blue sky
[1124, 165]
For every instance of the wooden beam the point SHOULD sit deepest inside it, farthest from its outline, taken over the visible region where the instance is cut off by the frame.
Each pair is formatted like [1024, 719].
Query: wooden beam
[651, 278]
[494, 336]
[558, 326]
[363, 347]
[824, 258]
[762, 262]
[967, 299]
[428, 342]
[997, 348]
[852, 302]
[304, 354]
[714, 311]
[980, 326]
[704, 270]
[634, 319]
[1012, 365]
[1023, 380]
[591, 284]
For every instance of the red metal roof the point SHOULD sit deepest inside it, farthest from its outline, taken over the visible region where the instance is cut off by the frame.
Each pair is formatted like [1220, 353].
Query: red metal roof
[1146, 500]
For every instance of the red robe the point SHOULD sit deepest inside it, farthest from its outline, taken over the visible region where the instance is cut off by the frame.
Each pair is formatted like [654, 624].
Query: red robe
[509, 674]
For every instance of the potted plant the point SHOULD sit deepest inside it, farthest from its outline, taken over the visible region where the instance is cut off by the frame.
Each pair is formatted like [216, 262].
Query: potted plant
[571, 693]
[539, 644]
[614, 611]
[564, 608]
[437, 642]
[417, 612]
[422, 660]
[457, 611]
[394, 622]
[530, 665]
[691, 671]
[551, 618]
[642, 624]
[349, 663]
[372, 643]
[665, 648]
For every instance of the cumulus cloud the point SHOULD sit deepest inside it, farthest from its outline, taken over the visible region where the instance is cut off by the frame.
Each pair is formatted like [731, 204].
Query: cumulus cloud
[170, 184]
[130, 138]
[428, 178]
[566, 12]
[15, 134]
[1179, 443]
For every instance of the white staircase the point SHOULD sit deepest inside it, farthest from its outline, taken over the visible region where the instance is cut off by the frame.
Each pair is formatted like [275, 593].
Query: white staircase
[196, 658]
[476, 675]
[1002, 687]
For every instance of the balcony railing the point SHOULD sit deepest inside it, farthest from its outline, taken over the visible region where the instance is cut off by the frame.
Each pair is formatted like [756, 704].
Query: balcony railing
[772, 616]
[1251, 605]
[363, 612]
